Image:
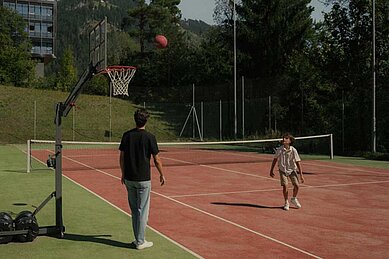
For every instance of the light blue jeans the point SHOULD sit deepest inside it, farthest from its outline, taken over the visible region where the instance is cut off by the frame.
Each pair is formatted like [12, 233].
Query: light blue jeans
[139, 201]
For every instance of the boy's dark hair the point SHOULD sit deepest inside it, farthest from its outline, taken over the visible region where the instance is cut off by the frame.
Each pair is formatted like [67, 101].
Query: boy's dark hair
[140, 117]
[289, 136]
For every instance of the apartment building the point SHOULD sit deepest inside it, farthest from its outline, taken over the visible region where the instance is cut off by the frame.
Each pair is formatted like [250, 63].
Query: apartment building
[40, 16]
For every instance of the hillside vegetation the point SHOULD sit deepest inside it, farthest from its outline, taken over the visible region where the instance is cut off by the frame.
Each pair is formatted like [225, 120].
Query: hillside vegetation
[91, 117]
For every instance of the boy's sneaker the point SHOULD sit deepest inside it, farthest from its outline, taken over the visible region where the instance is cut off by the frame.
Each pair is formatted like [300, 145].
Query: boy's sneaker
[295, 202]
[146, 244]
[286, 206]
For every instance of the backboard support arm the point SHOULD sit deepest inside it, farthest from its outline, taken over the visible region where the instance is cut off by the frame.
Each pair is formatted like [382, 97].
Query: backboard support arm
[62, 110]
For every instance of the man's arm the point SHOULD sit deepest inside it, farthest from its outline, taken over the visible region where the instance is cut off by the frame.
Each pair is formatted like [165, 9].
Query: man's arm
[121, 161]
[158, 165]
[300, 168]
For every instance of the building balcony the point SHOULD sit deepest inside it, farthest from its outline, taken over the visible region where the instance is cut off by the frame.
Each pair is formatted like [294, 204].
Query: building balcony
[46, 18]
[45, 35]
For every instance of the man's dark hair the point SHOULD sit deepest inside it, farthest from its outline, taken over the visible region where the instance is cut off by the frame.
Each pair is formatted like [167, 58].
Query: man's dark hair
[140, 117]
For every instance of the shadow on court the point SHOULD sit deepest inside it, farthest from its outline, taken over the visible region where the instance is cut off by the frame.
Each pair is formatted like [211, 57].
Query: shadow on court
[246, 205]
[97, 239]
[22, 171]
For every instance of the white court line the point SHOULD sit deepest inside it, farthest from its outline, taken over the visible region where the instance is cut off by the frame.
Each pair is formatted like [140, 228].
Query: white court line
[113, 205]
[221, 193]
[220, 218]
[221, 169]
[233, 223]
[307, 163]
[237, 225]
[271, 190]
[116, 207]
[345, 168]
[346, 184]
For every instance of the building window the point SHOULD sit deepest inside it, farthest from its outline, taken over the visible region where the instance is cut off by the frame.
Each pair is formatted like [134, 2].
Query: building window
[47, 11]
[10, 5]
[47, 30]
[22, 9]
[39, 16]
[36, 49]
[35, 11]
[47, 48]
[35, 29]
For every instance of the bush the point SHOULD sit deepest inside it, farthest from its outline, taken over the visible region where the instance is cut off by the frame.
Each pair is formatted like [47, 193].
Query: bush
[376, 156]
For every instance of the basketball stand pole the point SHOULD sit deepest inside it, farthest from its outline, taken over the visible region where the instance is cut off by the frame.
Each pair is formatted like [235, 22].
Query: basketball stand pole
[195, 118]
[62, 110]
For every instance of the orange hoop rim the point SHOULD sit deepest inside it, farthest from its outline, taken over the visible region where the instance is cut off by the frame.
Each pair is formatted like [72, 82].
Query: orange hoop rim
[117, 68]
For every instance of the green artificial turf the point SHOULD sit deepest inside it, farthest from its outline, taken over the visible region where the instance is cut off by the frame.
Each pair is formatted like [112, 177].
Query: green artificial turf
[94, 228]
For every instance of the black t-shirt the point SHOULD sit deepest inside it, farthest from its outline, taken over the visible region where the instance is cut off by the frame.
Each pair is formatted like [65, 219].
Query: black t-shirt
[138, 145]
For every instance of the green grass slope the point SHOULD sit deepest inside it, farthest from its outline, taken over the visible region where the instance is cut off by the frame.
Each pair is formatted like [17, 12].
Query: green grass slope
[91, 118]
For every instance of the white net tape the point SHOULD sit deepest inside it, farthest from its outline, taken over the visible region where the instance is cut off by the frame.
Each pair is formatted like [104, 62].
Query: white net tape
[120, 79]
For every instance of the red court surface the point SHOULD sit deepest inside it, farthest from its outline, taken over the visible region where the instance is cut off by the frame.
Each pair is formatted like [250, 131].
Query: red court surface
[234, 210]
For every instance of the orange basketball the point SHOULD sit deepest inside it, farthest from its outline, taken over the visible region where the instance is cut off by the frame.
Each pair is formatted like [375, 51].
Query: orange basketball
[161, 41]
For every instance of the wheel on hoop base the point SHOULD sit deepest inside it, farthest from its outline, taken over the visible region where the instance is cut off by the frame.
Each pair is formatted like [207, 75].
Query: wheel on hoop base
[6, 224]
[26, 221]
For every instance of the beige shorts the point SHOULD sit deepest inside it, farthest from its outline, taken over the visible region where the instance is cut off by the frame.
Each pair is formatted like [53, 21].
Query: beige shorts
[293, 178]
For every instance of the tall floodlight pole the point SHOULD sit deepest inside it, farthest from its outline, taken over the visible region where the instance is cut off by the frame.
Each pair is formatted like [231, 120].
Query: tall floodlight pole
[243, 107]
[235, 106]
[374, 84]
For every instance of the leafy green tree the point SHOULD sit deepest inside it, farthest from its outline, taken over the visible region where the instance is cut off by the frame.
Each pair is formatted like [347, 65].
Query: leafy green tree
[348, 48]
[138, 23]
[272, 43]
[158, 68]
[347, 62]
[166, 16]
[16, 65]
[267, 32]
[120, 45]
[68, 73]
[147, 20]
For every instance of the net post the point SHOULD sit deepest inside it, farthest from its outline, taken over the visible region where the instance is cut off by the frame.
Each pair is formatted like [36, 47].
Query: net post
[28, 155]
[331, 147]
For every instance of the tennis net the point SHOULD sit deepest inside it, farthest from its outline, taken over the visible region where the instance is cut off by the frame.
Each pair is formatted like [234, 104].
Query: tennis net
[105, 155]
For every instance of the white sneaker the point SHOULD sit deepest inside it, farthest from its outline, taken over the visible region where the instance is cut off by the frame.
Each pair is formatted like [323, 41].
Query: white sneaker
[295, 202]
[286, 206]
[146, 244]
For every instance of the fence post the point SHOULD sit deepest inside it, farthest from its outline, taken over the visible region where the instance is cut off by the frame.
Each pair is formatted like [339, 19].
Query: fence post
[35, 119]
[28, 156]
[220, 120]
[202, 118]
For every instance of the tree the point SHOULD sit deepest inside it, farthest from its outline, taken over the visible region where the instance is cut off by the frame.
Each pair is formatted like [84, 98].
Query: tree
[267, 32]
[138, 23]
[272, 40]
[16, 65]
[346, 39]
[346, 44]
[147, 20]
[67, 72]
[158, 67]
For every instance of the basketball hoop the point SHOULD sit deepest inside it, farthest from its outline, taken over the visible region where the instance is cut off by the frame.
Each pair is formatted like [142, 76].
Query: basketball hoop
[120, 77]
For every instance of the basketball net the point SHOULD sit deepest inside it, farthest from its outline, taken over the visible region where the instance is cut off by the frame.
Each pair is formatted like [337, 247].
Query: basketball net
[120, 77]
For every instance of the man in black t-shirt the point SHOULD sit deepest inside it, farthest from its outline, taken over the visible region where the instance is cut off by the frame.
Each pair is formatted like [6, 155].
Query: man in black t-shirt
[136, 148]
